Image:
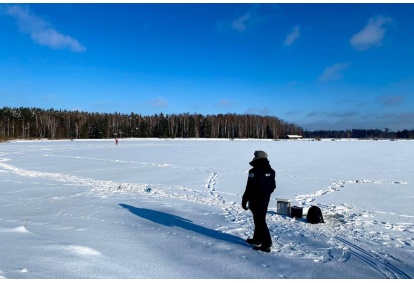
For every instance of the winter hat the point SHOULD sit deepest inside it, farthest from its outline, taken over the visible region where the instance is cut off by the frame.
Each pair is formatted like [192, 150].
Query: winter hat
[259, 154]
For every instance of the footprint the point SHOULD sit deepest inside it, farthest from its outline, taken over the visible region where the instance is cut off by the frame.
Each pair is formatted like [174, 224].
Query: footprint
[345, 256]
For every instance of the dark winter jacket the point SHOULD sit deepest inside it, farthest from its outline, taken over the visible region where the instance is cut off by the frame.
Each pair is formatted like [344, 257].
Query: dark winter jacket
[260, 184]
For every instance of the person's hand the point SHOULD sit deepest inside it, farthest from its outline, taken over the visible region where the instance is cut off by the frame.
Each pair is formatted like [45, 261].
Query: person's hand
[244, 205]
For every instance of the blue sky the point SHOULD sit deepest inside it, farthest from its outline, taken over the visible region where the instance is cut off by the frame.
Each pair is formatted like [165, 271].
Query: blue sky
[320, 66]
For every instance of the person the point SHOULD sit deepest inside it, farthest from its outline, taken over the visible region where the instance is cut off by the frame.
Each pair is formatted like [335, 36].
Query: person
[261, 183]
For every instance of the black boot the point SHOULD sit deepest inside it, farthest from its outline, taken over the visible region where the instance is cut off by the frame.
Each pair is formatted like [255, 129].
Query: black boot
[262, 248]
[253, 242]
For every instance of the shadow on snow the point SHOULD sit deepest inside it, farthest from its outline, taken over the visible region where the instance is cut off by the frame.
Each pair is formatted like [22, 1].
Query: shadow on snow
[170, 220]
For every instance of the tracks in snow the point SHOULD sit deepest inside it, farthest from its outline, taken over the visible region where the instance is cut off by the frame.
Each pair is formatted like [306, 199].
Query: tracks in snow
[374, 260]
[307, 199]
[282, 228]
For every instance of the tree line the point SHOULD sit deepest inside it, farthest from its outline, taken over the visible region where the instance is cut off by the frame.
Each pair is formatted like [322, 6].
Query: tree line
[360, 134]
[32, 123]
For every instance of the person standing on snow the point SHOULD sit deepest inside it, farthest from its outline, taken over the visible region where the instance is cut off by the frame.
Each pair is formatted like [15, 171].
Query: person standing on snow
[260, 185]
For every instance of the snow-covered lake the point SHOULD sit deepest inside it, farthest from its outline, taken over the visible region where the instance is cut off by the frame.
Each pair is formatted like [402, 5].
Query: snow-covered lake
[158, 208]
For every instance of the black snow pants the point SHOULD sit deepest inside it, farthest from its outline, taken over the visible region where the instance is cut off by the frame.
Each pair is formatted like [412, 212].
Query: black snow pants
[261, 231]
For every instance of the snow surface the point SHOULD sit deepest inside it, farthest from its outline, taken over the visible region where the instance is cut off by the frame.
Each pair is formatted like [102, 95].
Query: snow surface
[170, 209]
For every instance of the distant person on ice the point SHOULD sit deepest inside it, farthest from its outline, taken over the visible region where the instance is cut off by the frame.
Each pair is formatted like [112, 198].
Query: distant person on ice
[260, 185]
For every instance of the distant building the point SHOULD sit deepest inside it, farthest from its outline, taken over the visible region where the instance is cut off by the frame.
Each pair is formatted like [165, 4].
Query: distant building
[294, 137]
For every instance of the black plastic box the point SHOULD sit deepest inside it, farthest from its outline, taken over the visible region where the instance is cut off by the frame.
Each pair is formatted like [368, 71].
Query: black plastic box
[296, 211]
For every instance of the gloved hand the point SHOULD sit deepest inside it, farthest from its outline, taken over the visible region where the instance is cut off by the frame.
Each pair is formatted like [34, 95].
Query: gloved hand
[244, 204]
